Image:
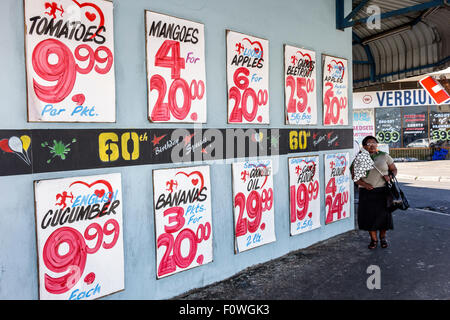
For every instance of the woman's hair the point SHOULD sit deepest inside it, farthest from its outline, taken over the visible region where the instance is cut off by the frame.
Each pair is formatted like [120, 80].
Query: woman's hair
[364, 142]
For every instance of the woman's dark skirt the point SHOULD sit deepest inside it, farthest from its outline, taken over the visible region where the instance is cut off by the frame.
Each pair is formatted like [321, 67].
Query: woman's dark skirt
[372, 210]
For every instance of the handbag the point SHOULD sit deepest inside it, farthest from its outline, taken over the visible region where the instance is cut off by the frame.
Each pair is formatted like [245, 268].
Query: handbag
[396, 197]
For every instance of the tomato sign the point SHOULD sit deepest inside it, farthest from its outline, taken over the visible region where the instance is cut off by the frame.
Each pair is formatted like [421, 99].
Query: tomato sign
[69, 48]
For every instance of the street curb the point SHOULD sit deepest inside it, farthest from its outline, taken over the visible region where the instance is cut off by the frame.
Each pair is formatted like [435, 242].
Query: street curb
[424, 178]
[429, 178]
[406, 176]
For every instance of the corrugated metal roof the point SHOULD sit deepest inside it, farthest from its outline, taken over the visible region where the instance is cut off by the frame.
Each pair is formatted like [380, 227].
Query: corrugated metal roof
[422, 47]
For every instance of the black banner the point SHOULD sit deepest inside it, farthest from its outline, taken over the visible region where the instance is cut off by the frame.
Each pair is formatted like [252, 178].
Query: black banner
[38, 151]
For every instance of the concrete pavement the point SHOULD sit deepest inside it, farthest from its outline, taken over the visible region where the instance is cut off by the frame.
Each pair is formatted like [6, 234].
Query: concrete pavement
[437, 171]
[414, 266]
[426, 184]
[427, 195]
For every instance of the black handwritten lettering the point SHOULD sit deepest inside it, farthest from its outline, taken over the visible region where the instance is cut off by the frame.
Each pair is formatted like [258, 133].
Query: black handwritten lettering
[174, 199]
[337, 172]
[245, 61]
[174, 32]
[70, 30]
[70, 215]
[333, 79]
[307, 174]
[304, 68]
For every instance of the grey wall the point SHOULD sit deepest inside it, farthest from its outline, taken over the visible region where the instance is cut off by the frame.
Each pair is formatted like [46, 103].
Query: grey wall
[310, 24]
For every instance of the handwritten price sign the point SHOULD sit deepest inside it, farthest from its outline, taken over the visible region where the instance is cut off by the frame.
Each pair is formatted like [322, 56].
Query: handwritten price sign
[337, 187]
[70, 60]
[440, 135]
[304, 194]
[253, 198]
[390, 136]
[247, 78]
[300, 85]
[335, 91]
[182, 198]
[175, 69]
[80, 240]
[363, 124]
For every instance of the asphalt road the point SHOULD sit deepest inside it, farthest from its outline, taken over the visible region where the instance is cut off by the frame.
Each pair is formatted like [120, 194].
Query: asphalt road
[428, 195]
[414, 266]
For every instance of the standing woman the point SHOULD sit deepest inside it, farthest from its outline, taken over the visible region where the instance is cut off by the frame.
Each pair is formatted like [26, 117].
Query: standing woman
[373, 214]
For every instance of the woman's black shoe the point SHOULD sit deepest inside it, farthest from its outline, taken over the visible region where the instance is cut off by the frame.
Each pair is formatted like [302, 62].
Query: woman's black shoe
[383, 243]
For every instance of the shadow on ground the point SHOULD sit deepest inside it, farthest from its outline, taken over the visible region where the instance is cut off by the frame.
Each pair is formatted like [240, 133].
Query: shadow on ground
[414, 266]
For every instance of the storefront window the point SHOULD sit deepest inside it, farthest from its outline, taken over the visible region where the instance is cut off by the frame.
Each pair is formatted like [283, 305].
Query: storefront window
[388, 126]
[415, 127]
[440, 125]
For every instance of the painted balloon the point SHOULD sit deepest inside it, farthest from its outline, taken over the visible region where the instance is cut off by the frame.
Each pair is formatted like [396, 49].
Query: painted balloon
[4, 146]
[26, 142]
[15, 144]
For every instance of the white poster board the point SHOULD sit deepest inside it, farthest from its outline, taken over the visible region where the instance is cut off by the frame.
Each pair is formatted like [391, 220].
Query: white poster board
[337, 187]
[247, 78]
[363, 124]
[254, 217]
[69, 49]
[335, 91]
[392, 98]
[183, 219]
[79, 237]
[300, 85]
[176, 76]
[304, 192]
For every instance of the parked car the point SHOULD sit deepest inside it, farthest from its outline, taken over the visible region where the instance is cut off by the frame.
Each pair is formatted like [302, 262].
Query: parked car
[422, 143]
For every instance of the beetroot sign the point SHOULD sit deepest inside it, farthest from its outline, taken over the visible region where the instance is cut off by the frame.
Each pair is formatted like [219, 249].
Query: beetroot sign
[300, 85]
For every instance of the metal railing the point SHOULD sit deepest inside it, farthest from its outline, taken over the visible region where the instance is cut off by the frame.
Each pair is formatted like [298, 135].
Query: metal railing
[420, 154]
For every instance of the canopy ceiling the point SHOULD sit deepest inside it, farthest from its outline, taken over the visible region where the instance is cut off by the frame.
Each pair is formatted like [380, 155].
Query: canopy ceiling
[413, 38]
